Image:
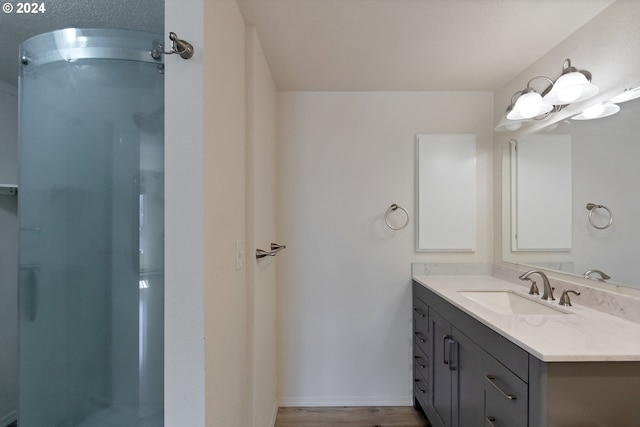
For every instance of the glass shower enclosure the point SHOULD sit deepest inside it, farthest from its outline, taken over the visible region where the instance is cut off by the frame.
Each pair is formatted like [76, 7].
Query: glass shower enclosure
[91, 213]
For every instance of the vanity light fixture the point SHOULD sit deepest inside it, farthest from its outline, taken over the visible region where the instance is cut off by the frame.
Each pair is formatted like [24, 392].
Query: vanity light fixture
[610, 107]
[627, 95]
[514, 117]
[572, 86]
[506, 124]
[529, 103]
[598, 111]
[509, 124]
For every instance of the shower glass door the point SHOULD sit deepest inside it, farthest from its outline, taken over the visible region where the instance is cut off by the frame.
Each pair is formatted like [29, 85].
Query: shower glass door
[91, 212]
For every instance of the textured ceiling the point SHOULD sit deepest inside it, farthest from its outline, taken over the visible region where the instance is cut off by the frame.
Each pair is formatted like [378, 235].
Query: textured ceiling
[143, 15]
[354, 44]
[410, 44]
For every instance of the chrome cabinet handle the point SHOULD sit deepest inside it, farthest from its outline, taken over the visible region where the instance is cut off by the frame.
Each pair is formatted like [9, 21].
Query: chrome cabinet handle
[452, 354]
[491, 421]
[420, 312]
[448, 341]
[418, 359]
[445, 358]
[491, 379]
[420, 337]
[418, 385]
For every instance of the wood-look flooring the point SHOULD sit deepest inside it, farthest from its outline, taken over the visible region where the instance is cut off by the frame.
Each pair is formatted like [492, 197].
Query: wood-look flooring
[367, 416]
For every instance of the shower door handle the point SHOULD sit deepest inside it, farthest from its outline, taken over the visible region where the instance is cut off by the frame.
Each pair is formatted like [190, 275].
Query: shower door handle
[138, 212]
[29, 289]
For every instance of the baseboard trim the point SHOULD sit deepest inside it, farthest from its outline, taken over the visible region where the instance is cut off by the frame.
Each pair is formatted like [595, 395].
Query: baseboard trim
[291, 401]
[8, 419]
[274, 415]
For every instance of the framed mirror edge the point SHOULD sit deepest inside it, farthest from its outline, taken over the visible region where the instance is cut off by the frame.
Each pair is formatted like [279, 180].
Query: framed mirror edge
[508, 257]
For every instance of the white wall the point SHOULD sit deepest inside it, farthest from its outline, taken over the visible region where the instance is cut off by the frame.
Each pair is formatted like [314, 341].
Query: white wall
[8, 255]
[344, 282]
[261, 231]
[601, 46]
[220, 142]
[184, 221]
[225, 297]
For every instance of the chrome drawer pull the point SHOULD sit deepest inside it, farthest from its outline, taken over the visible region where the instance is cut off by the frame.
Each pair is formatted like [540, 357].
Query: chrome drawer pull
[491, 379]
[418, 385]
[420, 313]
[491, 421]
[418, 359]
[420, 337]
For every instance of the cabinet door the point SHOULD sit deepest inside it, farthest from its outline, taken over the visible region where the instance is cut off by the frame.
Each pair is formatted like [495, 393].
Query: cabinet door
[467, 391]
[442, 370]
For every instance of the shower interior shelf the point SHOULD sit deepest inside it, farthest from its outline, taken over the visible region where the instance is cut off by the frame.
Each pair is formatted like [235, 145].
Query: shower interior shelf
[8, 190]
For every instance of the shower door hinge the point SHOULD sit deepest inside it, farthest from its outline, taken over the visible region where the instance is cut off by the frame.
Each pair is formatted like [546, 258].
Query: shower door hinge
[179, 46]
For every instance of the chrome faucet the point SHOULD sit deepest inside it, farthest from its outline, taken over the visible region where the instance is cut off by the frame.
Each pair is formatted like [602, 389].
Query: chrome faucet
[603, 276]
[548, 290]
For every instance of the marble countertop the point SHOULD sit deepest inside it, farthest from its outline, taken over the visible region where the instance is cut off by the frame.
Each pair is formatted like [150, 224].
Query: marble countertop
[581, 335]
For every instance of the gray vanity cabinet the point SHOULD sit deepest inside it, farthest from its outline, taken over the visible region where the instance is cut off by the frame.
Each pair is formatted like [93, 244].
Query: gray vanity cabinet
[467, 383]
[474, 376]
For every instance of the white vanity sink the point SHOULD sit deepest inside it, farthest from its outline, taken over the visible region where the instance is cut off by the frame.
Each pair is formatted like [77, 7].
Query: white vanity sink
[509, 302]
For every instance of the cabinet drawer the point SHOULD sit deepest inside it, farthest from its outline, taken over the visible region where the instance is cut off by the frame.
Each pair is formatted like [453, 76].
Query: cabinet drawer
[421, 362]
[496, 416]
[507, 394]
[421, 325]
[420, 387]
[421, 312]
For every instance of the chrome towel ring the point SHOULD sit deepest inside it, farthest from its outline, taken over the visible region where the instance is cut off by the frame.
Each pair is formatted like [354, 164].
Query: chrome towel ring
[392, 208]
[591, 207]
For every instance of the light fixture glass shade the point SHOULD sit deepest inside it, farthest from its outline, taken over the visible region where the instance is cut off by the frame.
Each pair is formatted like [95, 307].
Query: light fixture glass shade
[508, 125]
[569, 88]
[528, 106]
[598, 111]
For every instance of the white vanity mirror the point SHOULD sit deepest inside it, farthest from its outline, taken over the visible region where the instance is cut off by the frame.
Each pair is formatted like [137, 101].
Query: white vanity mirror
[573, 194]
[446, 192]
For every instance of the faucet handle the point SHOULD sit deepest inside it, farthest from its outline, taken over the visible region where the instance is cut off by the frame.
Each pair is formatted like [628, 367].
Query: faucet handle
[565, 300]
[533, 290]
